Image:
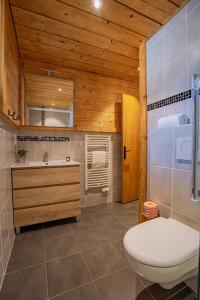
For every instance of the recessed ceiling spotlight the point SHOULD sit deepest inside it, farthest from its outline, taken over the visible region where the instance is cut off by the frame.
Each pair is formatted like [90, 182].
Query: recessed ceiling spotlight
[53, 104]
[60, 90]
[97, 4]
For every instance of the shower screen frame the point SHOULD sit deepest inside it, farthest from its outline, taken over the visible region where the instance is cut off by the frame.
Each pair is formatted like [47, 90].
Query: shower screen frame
[195, 139]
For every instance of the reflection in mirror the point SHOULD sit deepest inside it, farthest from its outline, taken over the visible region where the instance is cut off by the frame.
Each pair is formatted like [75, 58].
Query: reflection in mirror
[49, 101]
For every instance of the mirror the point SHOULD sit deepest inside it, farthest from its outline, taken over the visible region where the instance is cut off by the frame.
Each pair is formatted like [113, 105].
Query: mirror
[48, 101]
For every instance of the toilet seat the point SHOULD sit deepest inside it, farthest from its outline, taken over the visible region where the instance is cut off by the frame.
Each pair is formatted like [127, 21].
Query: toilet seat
[162, 242]
[163, 251]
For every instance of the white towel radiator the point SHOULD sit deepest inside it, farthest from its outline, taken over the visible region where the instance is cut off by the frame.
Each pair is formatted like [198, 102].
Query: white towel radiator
[97, 178]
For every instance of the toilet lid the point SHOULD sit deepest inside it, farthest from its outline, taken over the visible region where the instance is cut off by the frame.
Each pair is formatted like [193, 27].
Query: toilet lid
[161, 242]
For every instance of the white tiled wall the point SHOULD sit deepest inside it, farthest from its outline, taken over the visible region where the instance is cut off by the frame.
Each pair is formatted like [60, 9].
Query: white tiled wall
[75, 149]
[173, 55]
[7, 157]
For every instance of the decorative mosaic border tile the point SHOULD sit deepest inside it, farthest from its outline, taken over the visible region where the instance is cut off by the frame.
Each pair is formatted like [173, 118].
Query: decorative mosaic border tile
[42, 138]
[170, 100]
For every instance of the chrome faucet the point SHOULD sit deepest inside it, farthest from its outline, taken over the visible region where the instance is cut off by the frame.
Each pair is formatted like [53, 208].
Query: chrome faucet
[46, 157]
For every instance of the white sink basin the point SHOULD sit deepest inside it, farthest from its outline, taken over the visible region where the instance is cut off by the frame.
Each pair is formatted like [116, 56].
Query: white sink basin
[35, 164]
[49, 163]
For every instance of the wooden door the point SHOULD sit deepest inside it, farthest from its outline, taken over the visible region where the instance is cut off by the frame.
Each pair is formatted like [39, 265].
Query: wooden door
[130, 148]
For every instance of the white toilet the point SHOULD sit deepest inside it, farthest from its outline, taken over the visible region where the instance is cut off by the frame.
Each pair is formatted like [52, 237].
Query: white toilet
[163, 251]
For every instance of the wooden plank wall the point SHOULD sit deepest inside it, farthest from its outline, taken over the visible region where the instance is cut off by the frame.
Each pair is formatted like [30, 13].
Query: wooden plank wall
[10, 65]
[143, 128]
[97, 98]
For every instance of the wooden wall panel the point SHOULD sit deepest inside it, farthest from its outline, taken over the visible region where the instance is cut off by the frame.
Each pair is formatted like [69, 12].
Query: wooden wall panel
[97, 98]
[2, 34]
[10, 72]
[143, 128]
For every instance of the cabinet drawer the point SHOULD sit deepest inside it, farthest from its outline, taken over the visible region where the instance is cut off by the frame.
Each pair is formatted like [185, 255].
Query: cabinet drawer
[28, 216]
[45, 195]
[23, 178]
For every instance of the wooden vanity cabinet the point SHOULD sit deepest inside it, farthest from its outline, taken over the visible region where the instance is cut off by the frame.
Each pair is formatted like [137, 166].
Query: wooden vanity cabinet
[45, 194]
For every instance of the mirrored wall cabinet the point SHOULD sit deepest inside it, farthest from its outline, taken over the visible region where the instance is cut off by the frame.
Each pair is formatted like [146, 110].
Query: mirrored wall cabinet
[47, 101]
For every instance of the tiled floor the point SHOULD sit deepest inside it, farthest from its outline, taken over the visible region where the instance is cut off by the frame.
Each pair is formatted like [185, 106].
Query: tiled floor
[79, 261]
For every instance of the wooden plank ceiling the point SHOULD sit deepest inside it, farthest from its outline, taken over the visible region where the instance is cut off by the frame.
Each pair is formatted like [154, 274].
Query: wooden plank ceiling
[75, 34]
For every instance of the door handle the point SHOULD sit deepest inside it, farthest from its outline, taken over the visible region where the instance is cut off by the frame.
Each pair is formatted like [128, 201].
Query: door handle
[125, 151]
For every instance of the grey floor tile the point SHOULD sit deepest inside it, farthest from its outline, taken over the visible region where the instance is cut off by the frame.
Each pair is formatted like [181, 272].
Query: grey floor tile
[28, 284]
[126, 212]
[103, 208]
[114, 231]
[28, 250]
[103, 260]
[184, 294]
[91, 238]
[119, 285]
[103, 218]
[145, 295]
[161, 294]
[66, 273]
[85, 223]
[23, 258]
[125, 208]
[66, 268]
[120, 247]
[86, 292]
[29, 239]
[84, 212]
[61, 246]
[128, 221]
[57, 228]
[191, 296]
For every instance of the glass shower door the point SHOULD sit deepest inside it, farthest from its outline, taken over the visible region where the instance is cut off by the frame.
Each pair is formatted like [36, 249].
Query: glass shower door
[196, 154]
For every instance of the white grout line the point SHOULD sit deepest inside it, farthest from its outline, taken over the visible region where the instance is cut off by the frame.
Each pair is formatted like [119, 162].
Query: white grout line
[105, 275]
[144, 287]
[10, 251]
[25, 268]
[58, 236]
[71, 290]
[45, 266]
[92, 280]
[177, 292]
[62, 257]
[111, 273]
